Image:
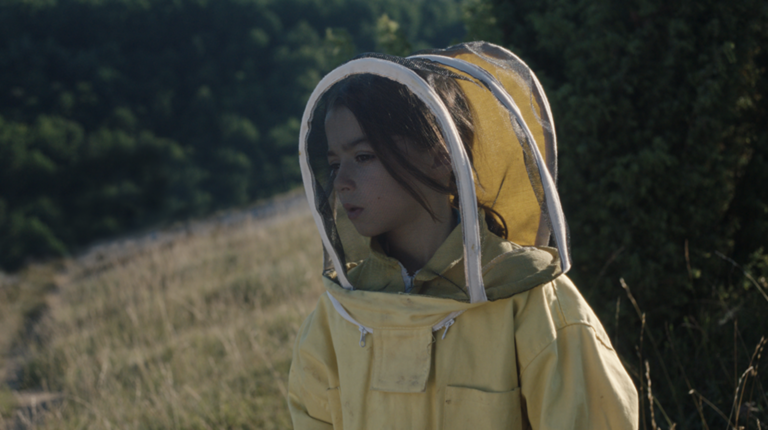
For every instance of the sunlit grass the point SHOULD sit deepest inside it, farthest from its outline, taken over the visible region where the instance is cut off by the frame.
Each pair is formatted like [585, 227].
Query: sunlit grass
[193, 328]
[192, 332]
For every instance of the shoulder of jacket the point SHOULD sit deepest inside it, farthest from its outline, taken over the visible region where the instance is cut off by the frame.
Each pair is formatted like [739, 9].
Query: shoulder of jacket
[575, 309]
[543, 312]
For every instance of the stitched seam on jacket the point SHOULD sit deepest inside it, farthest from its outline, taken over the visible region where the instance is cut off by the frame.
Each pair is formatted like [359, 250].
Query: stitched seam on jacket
[559, 304]
[594, 333]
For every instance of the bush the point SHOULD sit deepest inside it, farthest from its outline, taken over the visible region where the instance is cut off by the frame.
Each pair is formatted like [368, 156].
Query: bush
[117, 115]
[663, 165]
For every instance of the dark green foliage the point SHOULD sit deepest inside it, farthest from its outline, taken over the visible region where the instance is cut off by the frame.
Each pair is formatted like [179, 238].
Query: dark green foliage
[120, 114]
[660, 109]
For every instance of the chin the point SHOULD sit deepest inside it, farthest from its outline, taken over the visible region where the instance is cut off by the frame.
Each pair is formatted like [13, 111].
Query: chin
[366, 231]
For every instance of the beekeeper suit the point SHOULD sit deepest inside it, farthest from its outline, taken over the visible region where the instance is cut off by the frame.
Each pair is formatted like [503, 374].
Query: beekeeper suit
[492, 334]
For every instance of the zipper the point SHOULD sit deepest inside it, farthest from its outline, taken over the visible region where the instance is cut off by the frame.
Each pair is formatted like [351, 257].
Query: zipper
[363, 332]
[447, 326]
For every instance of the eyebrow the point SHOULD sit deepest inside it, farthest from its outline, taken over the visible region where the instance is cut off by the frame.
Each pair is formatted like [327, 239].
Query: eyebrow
[349, 145]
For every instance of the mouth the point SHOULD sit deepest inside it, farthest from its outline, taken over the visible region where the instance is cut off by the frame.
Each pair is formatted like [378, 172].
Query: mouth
[352, 211]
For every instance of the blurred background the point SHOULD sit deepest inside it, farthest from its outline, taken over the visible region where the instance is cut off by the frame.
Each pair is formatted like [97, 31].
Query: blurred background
[156, 257]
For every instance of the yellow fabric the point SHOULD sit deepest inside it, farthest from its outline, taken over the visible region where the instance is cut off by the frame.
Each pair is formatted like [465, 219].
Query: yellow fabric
[502, 179]
[533, 357]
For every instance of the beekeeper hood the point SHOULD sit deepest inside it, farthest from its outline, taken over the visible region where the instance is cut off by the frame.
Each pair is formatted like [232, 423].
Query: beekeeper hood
[514, 151]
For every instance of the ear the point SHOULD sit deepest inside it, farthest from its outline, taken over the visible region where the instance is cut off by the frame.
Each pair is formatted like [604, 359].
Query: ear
[441, 167]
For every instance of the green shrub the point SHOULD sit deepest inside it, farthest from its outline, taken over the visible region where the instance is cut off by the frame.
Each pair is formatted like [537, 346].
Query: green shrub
[121, 115]
[659, 108]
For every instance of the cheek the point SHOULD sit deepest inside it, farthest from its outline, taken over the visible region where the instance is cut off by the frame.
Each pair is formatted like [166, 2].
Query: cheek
[377, 179]
[386, 186]
[383, 189]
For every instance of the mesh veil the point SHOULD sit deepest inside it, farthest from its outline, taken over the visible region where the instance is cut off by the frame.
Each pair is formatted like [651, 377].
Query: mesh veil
[514, 166]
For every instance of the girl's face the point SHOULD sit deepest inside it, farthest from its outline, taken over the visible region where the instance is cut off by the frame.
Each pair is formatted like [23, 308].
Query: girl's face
[374, 201]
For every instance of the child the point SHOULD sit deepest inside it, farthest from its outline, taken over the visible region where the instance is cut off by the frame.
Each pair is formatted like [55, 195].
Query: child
[431, 182]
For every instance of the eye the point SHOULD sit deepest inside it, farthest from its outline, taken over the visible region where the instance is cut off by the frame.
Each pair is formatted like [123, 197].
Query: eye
[362, 158]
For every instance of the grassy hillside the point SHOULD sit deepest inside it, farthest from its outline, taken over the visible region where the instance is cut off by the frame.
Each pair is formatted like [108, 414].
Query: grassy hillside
[193, 328]
[190, 329]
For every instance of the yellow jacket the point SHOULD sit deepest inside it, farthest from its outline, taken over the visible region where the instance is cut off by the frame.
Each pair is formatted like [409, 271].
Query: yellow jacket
[533, 356]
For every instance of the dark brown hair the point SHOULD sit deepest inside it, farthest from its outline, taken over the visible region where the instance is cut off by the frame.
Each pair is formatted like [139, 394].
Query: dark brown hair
[387, 110]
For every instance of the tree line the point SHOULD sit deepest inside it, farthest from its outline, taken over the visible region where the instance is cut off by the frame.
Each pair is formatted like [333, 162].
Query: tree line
[120, 114]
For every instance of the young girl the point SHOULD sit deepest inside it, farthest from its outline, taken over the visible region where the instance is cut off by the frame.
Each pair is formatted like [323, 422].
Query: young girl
[431, 182]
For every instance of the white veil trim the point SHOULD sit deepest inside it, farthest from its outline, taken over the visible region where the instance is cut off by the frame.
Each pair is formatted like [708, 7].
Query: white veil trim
[462, 168]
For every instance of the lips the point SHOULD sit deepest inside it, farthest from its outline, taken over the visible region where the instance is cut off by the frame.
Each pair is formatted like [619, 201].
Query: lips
[352, 211]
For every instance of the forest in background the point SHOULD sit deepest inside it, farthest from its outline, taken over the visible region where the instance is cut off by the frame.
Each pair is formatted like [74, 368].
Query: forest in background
[660, 110]
[117, 115]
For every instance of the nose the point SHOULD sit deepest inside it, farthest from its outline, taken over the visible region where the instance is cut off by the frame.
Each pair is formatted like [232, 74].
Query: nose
[343, 180]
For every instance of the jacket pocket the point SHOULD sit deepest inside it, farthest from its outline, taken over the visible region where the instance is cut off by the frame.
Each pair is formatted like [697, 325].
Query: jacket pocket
[469, 408]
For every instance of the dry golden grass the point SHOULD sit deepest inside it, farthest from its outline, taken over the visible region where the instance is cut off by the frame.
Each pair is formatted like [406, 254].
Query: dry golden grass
[193, 328]
[194, 331]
